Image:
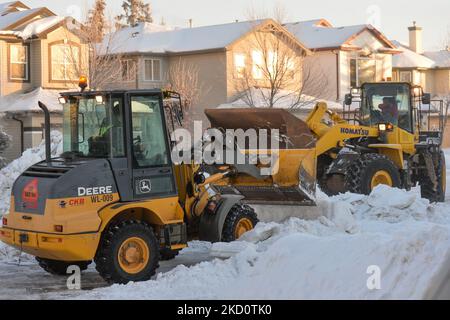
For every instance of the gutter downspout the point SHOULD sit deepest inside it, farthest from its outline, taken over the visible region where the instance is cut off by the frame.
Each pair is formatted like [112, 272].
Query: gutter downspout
[21, 133]
[338, 76]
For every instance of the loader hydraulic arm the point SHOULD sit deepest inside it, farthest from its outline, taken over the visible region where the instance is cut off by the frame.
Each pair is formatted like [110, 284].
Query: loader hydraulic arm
[315, 119]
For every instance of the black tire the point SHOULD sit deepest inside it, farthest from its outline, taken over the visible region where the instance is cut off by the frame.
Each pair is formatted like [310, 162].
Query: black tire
[359, 175]
[426, 185]
[167, 254]
[59, 268]
[237, 213]
[107, 257]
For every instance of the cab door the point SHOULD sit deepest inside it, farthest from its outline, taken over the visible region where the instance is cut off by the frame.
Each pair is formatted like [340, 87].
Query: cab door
[150, 159]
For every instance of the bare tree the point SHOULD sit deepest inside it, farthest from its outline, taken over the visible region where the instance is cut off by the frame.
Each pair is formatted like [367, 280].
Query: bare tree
[183, 78]
[96, 20]
[98, 59]
[272, 72]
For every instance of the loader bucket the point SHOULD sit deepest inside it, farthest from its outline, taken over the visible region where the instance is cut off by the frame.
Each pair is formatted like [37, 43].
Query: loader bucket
[296, 131]
[294, 180]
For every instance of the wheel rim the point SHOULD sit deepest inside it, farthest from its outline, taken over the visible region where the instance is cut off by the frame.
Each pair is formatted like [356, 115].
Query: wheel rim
[242, 227]
[381, 177]
[133, 255]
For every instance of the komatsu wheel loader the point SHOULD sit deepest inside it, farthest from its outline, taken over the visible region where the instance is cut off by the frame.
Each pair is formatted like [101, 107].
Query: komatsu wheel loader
[389, 133]
[115, 196]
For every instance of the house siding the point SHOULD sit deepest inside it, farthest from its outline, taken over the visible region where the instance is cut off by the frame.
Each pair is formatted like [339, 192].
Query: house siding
[212, 75]
[245, 46]
[39, 77]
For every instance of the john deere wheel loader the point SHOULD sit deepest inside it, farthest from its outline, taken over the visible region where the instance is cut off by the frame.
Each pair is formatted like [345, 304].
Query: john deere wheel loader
[393, 136]
[115, 197]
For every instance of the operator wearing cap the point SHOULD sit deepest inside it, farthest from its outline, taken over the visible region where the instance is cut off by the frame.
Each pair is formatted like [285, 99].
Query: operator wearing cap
[389, 110]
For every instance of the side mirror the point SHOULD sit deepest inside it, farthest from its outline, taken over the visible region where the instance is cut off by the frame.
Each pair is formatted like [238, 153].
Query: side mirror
[348, 99]
[426, 98]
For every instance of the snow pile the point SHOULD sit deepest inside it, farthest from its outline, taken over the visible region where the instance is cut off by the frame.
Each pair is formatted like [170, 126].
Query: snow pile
[12, 171]
[37, 27]
[29, 101]
[396, 232]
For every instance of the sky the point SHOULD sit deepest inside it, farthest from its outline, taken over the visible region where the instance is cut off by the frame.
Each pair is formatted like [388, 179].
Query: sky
[392, 17]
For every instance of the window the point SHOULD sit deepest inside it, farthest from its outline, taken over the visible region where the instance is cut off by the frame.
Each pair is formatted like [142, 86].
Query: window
[387, 103]
[65, 59]
[239, 65]
[258, 61]
[19, 57]
[93, 129]
[362, 71]
[149, 136]
[128, 70]
[152, 70]
[405, 76]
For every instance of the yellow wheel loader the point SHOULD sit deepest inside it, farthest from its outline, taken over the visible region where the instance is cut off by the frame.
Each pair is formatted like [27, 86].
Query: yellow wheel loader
[115, 196]
[389, 133]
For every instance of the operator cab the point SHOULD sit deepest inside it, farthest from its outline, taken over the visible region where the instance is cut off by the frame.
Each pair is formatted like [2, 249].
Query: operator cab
[386, 103]
[128, 129]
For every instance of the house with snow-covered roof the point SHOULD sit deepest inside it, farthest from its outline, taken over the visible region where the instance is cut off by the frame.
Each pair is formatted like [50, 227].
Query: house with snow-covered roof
[344, 57]
[35, 64]
[219, 53]
[429, 69]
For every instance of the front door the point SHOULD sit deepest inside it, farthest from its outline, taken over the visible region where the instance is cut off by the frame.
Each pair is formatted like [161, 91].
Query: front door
[150, 153]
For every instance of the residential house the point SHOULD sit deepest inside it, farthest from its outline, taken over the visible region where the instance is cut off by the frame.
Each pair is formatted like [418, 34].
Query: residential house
[344, 57]
[218, 53]
[430, 69]
[40, 55]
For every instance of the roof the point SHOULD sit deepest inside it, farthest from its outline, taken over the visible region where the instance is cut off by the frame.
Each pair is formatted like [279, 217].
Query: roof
[26, 102]
[12, 6]
[410, 59]
[284, 100]
[17, 20]
[320, 34]
[440, 58]
[146, 37]
[6, 21]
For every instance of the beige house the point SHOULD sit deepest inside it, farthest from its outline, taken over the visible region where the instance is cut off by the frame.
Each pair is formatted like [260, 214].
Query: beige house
[220, 54]
[344, 57]
[431, 69]
[40, 55]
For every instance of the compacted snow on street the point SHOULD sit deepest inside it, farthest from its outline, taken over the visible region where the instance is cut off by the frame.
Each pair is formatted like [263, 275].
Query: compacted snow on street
[389, 245]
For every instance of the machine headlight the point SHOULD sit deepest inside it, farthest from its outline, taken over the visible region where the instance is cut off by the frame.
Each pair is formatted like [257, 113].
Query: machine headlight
[62, 100]
[99, 99]
[356, 91]
[382, 127]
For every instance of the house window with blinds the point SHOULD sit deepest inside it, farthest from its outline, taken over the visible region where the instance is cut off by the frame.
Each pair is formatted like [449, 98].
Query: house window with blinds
[406, 76]
[19, 62]
[65, 59]
[258, 64]
[362, 71]
[152, 70]
[239, 65]
[128, 70]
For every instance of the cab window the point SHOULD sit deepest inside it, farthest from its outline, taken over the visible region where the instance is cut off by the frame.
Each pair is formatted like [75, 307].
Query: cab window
[387, 104]
[149, 136]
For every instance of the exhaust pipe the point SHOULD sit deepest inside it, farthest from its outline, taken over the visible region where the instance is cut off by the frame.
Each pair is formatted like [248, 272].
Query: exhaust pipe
[44, 108]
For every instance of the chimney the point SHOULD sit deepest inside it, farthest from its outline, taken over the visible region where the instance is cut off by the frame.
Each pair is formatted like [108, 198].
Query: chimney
[190, 23]
[415, 38]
